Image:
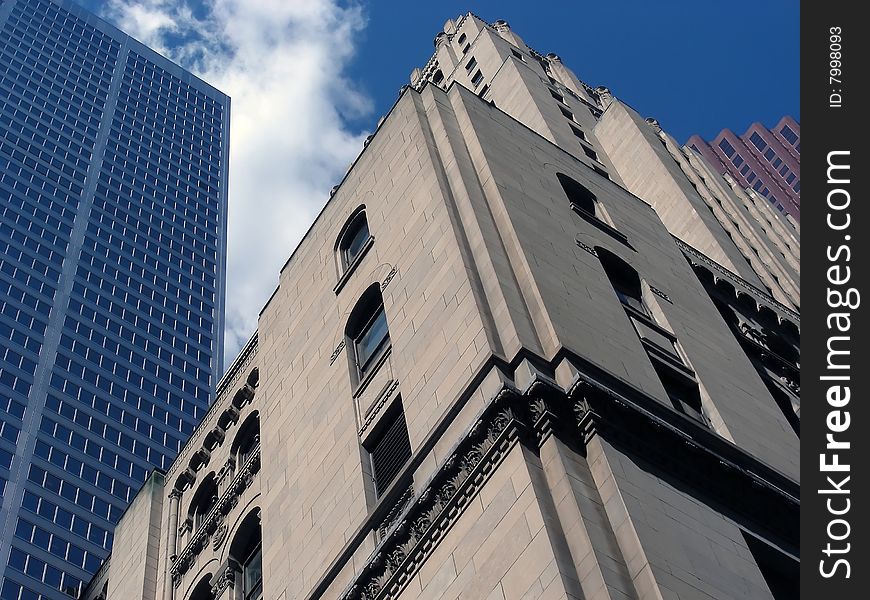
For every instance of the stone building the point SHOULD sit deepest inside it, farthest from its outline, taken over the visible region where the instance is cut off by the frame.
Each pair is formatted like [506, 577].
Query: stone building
[513, 357]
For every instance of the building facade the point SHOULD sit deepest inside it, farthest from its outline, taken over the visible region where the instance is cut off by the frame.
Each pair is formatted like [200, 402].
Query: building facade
[765, 160]
[113, 171]
[492, 369]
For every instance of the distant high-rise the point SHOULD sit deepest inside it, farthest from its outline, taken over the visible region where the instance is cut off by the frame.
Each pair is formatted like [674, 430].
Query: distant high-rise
[767, 160]
[113, 174]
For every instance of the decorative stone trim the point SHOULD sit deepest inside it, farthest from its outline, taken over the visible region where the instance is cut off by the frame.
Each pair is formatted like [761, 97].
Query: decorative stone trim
[211, 525]
[336, 352]
[588, 248]
[699, 258]
[660, 294]
[427, 519]
[389, 278]
[376, 407]
[419, 522]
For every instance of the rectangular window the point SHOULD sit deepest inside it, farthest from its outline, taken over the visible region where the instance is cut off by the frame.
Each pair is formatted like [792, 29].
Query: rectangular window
[781, 572]
[757, 141]
[517, 55]
[797, 186]
[566, 113]
[682, 390]
[751, 177]
[372, 339]
[578, 132]
[737, 160]
[770, 154]
[783, 170]
[790, 136]
[790, 178]
[765, 192]
[590, 152]
[757, 185]
[727, 148]
[557, 96]
[471, 64]
[744, 170]
[390, 450]
[776, 162]
[478, 77]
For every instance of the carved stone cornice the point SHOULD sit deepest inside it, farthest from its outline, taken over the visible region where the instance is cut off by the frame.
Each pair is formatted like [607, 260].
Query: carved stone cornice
[211, 527]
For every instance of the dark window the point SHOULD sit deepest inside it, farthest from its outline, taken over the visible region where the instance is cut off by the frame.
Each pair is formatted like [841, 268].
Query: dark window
[578, 132]
[737, 160]
[353, 240]
[246, 549]
[518, 55]
[601, 172]
[790, 136]
[247, 439]
[757, 141]
[624, 279]
[438, 77]
[203, 501]
[252, 574]
[757, 185]
[390, 450]
[797, 186]
[780, 571]
[726, 147]
[744, 170]
[682, 389]
[590, 152]
[556, 95]
[566, 113]
[367, 330]
[577, 194]
[461, 39]
[478, 77]
[790, 178]
[471, 64]
[466, 49]
[770, 154]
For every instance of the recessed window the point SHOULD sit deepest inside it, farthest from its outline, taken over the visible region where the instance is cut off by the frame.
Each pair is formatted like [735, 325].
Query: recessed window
[790, 136]
[624, 280]
[727, 148]
[790, 178]
[438, 77]
[578, 132]
[556, 95]
[770, 154]
[566, 112]
[471, 64]
[353, 240]
[367, 331]
[578, 194]
[757, 141]
[517, 55]
[390, 449]
[797, 186]
[783, 170]
[466, 49]
[757, 185]
[781, 572]
[737, 160]
[590, 152]
[744, 170]
[751, 177]
[204, 500]
[776, 162]
[252, 574]
[461, 39]
[478, 77]
[682, 390]
[601, 171]
[247, 439]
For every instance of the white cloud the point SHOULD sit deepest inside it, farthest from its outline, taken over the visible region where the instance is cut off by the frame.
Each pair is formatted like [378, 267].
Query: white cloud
[281, 62]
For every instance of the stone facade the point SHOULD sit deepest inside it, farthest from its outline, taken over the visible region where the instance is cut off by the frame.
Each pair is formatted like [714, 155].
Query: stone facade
[592, 407]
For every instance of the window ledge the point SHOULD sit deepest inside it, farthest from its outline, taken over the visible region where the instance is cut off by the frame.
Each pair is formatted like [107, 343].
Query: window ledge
[376, 366]
[352, 266]
[605, 227]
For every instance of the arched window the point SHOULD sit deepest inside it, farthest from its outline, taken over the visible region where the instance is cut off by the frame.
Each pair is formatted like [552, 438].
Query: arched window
[624, 279]
[204, 500]
[367, 332]
[247, 439]
[353, 239]
[202, 591]
[581, 198]
[246, 550]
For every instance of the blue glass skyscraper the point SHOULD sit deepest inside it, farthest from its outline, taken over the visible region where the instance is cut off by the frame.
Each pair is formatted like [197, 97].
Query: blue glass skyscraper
[113, 183]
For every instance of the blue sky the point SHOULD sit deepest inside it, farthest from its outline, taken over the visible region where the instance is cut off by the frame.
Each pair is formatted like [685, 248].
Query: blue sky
[697, 66]
[310, 78]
